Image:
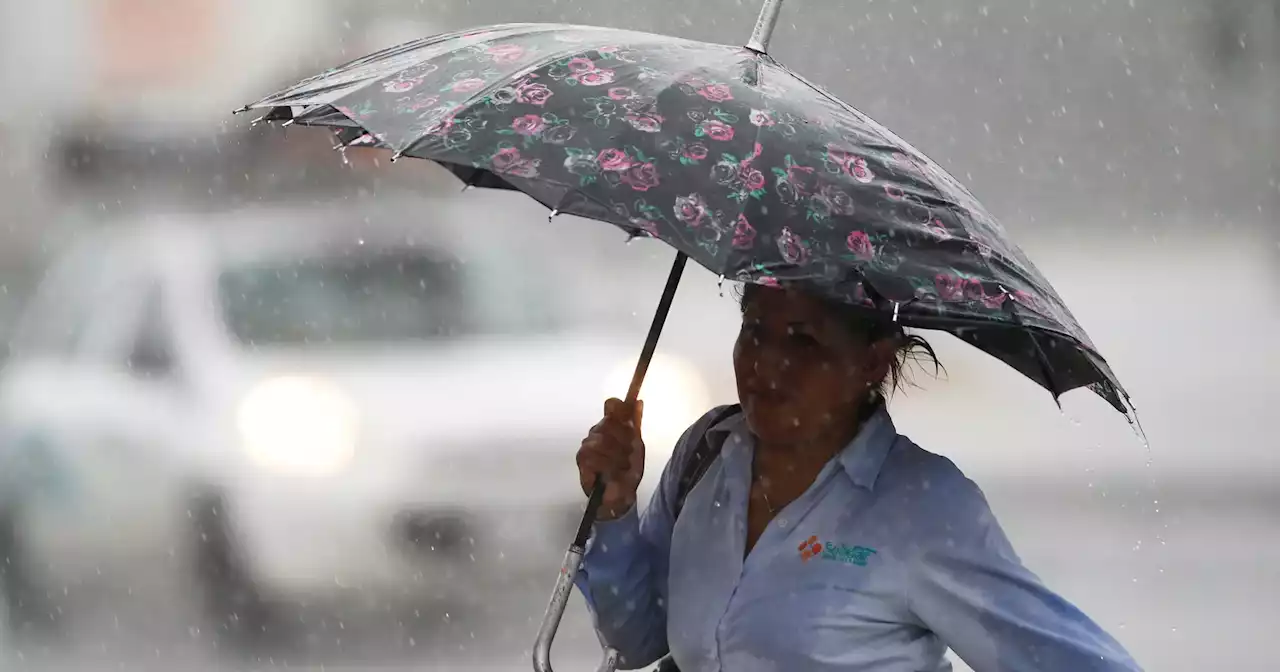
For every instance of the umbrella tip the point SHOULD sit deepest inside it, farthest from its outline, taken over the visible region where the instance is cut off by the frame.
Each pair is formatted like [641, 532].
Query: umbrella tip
[765, 24]
[1135, 423]
[396, 157]
[239, 110]
[552, 214]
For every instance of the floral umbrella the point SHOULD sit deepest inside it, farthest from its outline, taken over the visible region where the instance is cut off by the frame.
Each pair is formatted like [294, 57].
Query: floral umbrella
[721, 152]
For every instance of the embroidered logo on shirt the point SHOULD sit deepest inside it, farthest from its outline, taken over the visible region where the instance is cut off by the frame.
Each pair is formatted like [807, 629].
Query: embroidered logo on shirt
[849, 555]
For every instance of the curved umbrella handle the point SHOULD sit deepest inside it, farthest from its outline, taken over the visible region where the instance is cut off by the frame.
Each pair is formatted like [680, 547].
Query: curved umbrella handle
[555, 611]
[564, 586]
[573, 557]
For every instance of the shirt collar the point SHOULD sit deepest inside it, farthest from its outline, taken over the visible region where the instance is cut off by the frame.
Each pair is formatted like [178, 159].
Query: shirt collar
[861, 459]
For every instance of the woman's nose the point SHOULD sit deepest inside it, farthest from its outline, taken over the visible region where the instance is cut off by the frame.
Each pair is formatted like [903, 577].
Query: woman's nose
[768, 365]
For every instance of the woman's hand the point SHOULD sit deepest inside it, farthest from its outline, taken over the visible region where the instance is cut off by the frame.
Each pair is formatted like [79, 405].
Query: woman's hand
[614, 449]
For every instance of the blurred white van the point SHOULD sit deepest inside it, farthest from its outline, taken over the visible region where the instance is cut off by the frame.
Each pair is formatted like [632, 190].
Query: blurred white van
[283, 405]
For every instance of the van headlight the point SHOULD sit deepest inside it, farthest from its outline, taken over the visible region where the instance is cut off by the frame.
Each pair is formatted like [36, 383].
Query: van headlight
[299, 425]
[674, 394]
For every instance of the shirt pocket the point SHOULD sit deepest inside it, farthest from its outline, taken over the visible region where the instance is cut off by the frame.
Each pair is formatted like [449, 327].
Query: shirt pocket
[833, 576]
[820, 609]
[846, 583]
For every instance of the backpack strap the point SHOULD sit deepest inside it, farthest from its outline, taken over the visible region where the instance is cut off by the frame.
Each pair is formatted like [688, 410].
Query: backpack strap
[696, 464]
[703, 454]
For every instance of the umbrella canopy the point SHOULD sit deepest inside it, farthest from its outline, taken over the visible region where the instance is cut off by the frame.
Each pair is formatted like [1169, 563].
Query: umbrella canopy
[723, 153]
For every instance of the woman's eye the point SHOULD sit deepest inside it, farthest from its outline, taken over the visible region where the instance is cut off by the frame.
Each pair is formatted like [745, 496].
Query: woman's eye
[804, 340]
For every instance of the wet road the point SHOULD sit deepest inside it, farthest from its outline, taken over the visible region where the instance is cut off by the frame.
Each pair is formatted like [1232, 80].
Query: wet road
[1186, 589]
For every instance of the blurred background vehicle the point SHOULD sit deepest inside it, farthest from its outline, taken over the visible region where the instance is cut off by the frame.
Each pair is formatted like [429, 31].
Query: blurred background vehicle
[288, 403]
[1140, 174]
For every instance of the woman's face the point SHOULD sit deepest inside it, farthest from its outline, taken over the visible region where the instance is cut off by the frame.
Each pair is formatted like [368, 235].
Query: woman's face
[802, 374]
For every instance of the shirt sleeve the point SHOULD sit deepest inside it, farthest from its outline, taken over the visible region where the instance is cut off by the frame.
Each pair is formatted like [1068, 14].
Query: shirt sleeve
[969, 587]
[624, 571]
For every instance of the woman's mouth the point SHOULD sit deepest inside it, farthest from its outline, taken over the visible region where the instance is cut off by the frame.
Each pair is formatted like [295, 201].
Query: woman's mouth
[766, 395]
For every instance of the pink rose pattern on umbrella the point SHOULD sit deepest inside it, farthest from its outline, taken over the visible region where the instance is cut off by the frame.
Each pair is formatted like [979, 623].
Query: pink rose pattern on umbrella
[766, 183]
[693, 133]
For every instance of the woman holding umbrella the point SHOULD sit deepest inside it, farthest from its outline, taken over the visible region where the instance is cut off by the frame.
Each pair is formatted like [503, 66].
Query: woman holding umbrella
[813, 536]
[820, 538]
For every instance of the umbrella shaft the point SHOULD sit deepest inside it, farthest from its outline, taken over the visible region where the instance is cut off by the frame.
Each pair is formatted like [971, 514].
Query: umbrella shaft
[637, 379]
[655, 327]
[573, 557]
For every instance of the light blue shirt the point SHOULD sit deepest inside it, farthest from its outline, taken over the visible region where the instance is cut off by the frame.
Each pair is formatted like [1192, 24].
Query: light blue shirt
[888, 559]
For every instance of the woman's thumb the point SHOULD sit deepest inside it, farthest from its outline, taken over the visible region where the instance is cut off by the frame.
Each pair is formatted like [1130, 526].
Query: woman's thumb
[639, 414]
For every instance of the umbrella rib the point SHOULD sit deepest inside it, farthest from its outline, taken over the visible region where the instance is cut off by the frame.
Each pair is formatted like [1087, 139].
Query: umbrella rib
[1046, 369]
[888, 134]
[872, 123]
[506, 80]
[390, 52]
[723, 262]
[883, 130]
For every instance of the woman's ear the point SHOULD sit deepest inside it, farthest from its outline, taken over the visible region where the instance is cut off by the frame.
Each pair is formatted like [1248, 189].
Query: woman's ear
[879, 360]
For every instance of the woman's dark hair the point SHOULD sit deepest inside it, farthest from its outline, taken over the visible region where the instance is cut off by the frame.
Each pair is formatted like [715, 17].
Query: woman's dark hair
[874, 326]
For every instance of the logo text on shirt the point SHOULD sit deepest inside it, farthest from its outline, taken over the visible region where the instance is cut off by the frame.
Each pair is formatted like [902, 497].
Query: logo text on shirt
[849, 555]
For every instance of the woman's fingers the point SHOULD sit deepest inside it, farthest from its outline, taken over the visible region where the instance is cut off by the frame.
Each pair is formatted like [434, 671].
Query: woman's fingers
[622, 412]
[601, 454]
[614, 449]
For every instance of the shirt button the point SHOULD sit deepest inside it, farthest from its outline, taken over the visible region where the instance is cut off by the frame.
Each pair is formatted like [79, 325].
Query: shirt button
[782, 522]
